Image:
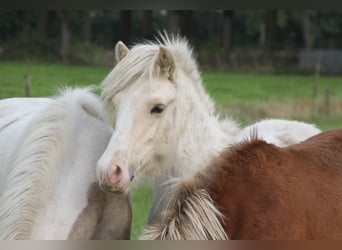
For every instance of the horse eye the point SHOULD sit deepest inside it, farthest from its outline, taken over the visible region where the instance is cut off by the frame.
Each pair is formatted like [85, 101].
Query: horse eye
[159, 108]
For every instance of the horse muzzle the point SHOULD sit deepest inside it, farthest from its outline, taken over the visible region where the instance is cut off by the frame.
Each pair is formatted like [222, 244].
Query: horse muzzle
[115, 179]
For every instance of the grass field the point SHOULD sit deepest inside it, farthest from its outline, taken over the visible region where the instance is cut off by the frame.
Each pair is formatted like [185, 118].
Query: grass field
[245, 97]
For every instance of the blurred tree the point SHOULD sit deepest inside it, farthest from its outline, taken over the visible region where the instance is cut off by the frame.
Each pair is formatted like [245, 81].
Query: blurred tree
[307, 34]
[24, 17]
[9, 26]
[86, 27]
[180, 21]
[186, 23]
[227, 31]
[172, 22]
[147, 20]
[125, 25]
[271, 29]
[207, 32]
[53, 26]
[210, 31]
[326, 27]
[42, 25]
[105, 28]
[249, 29]
[65, 36]
[289, 29]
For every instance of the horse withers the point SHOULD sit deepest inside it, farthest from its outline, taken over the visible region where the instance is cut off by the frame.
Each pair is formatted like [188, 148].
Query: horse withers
[48, 153]
[257, 190]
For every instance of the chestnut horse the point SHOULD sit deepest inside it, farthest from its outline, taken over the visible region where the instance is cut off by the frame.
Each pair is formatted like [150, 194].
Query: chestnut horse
[256, 190]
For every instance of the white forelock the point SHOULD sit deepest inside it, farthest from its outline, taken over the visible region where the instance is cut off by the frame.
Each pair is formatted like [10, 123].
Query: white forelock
[139, 64]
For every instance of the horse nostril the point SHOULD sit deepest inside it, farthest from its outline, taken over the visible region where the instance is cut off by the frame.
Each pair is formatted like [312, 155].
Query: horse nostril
[132, 177]
[117, 170]
[115, 174]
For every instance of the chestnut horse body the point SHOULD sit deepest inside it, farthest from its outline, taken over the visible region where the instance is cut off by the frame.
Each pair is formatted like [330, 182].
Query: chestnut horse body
[263, 191]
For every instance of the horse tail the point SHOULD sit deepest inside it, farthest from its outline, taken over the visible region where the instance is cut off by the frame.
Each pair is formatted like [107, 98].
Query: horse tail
[35, 162]
[193, 216]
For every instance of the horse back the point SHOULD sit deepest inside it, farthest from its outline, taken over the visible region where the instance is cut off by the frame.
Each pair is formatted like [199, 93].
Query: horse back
[260, 187]
[324, 148]
[316, 166]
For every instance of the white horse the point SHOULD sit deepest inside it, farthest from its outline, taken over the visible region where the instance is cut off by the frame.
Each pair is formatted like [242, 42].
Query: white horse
[166, 125]
[48, 153]
[279, 132]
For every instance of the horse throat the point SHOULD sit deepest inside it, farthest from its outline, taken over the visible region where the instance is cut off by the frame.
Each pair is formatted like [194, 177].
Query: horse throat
[198, 137]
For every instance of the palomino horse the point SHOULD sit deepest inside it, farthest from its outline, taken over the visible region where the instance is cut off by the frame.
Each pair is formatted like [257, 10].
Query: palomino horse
[256, 190]
[48, 187]
[166, 125]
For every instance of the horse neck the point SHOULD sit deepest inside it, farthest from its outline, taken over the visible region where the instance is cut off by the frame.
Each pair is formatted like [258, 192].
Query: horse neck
[39, 147]
[200, 135]
[85, 141]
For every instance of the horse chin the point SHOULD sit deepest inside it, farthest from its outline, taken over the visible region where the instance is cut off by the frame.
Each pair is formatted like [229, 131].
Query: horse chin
[124, 189]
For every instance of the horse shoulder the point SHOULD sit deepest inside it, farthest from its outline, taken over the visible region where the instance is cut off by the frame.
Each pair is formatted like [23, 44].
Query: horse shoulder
[251, 176]
[247, 159]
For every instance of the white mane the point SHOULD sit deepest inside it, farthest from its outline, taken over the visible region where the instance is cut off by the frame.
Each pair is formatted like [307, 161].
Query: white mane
[192, 217]
[31, 167]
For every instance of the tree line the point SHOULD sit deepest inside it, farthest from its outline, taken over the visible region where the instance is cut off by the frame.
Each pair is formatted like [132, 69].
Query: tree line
[214, 30]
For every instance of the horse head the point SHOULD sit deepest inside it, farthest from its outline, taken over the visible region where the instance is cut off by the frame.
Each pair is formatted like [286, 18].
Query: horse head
[142, 89]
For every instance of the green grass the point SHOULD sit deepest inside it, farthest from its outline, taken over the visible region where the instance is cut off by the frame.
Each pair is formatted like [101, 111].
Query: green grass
[250, 97]
[141, 202]
[46, 78]
[247, 97]
[232, 87]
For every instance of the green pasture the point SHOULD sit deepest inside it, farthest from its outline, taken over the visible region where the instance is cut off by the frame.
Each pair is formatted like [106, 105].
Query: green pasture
[244, 97]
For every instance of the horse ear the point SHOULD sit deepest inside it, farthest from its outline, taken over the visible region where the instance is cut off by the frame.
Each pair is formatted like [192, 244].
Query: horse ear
[121, 51]
[166, 62]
